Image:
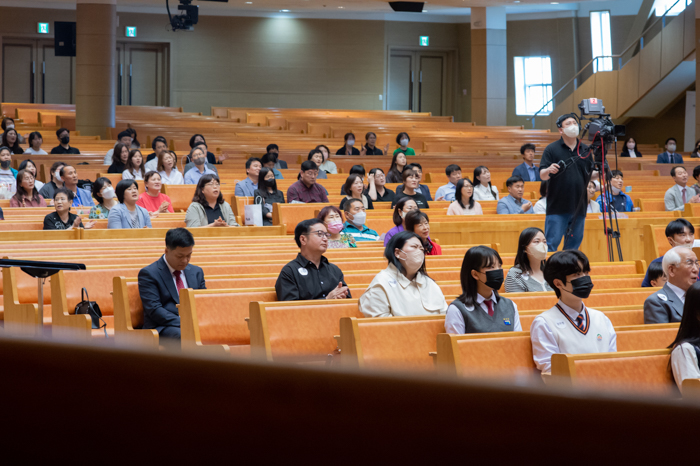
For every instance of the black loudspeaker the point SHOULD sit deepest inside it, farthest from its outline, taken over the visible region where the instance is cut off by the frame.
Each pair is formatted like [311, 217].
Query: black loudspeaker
[64, 38]
[411, 7]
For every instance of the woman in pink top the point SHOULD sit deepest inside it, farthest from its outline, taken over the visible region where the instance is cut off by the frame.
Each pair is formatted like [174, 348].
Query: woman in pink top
[153, 200]
[26, 195]
[464, 203]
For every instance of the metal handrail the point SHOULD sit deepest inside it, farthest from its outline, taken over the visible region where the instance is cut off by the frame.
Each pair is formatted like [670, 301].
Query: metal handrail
[619, 56]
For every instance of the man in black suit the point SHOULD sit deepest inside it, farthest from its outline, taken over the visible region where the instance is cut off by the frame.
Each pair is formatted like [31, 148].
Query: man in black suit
[527, 170]
[160, 283]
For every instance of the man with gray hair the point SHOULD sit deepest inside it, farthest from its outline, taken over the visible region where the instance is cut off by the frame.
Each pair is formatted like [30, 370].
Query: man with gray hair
[680, 265]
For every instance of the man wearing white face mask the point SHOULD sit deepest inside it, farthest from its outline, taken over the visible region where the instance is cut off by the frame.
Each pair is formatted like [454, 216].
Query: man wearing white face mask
[620, 201]
[404, 287]
[568, 167]
[670, 156]
[355, 225]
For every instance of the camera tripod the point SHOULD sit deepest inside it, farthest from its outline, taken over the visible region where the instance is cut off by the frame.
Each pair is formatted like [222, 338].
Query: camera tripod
[610, 229]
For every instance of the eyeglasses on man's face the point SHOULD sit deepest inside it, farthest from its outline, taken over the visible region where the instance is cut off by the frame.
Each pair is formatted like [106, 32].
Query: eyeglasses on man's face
[320, 234]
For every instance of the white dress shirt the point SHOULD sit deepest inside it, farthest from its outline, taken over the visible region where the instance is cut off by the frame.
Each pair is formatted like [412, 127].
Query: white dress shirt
[174, 178]
[688, 191]
[544, 342]
[172, 274]
[680, 293]
[632, 153]
[482, 193]
[684, 363]
[541, 206]
[454, 322]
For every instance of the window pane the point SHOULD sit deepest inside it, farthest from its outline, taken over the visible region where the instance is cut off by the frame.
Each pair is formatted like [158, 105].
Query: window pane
[533, 85]
[661, 6]
[601, 41]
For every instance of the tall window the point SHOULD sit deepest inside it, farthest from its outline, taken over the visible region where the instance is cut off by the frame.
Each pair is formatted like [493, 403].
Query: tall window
[660, 7]
[533, 85]
[601, 41]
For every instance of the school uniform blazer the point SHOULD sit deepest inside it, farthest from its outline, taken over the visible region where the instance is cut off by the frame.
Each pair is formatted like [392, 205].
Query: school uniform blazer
[159, 294]
[521, 171]
[119, 217]
[663, 307]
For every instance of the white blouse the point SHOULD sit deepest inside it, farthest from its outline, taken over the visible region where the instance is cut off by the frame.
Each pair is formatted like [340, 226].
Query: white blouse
[392, 294]
[540, 206]
[482, 193]
[174, 178]
[593, 207]
[31, 151]
[684, 363]
[127, 175]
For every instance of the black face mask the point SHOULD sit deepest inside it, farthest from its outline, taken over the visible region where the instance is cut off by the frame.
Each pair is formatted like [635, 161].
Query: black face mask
[5, 164]
[65, 139]
[582, 287]
[494, 279]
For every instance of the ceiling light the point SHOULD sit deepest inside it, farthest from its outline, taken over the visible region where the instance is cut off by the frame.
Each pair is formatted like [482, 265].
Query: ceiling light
[341, 7]
[284, 11]
[248, 3]
[555, 3]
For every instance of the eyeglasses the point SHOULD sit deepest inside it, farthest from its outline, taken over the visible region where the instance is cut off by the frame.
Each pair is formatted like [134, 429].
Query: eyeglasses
[691, 262]
[321, 234]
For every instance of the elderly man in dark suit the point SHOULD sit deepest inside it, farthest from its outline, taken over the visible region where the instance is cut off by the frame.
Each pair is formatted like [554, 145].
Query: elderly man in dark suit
[680, 265]
[527, 170]
[160, 283]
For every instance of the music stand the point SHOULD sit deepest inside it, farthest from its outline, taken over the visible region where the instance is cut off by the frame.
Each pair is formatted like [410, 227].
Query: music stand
[41, 270]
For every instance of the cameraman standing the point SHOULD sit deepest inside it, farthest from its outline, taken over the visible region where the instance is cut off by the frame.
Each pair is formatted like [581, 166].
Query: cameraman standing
[568, 166]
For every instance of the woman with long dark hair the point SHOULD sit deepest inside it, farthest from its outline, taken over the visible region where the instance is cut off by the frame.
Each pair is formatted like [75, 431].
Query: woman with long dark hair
[464, 203]
[348, 148]
[119, 158]
[10, 139]
[401, 210]
[630, 149]
[404, 287]
[208, 208]
[134, 166]
[527, 271]
[267, 194]
[480, 309]
[483, 189]
[686, 346]
[27, 195]
[398, 162]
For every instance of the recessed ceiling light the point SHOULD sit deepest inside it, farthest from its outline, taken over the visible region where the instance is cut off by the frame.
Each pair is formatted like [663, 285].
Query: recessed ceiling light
[248, 3]
[341, 7]
[284, 11]
[555, 3]
[516, 1]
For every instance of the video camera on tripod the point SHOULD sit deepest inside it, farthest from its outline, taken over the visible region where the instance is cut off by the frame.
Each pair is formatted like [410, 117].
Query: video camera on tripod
[602, 132]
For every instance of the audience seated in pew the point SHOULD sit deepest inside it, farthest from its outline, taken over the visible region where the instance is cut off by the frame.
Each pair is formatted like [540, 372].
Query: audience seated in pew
[527, 170]
[410, 188]
[348, 148]
[31, 166]
[208, 208]
[82, 197]
[135, 144]
[686, 346]
[370, 147]
[316, 156]
[198, 140]
[62, 218]
[103, 191]
[376, 191]
[247, 187]
[514, 203]
[353, 189]
[680, 265]
[274, 149]
[464, 203]
[593, 206]
[541, 205]
[160, 283]
[398, 162]
[134, 166]
[669, 155]
[570, 327]
[402, 139]
[310, 275]
[404, 287]
[355, 225]
[27, 194]
[678, 195]
[35, 141]
[120, 156]
[306, 189]
[8, 123]
[167, 168]
[620, 201]
[328, 165]
[481, 277]
[123, 138]
[199, 168]
[402, 208]
[152, 199]
[679, 232]
[332, 218]
[268, 161]
[64, 147]
[10, 139]
[630, 149]
[8, 175]
[447, 192]
[355, 170]
[419, 223]
[127, 214]
[656, 275]
[56, 181]
[527, 274]
[483, 189]
[159, 146]
[267, 194]
[421, 188]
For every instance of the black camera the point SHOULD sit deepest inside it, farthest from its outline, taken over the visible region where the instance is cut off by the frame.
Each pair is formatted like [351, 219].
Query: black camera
[600, 127]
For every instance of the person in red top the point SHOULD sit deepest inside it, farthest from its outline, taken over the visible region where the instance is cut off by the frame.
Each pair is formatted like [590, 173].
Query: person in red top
[153, 200]
[419, 223]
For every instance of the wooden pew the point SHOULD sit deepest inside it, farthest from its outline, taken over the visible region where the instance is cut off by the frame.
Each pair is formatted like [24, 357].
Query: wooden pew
[128, 315]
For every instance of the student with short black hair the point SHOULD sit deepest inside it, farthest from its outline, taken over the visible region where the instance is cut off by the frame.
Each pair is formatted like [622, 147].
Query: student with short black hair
[696, 174]
[402, 139]
[679, 232]
[247, 187]
[348, 148]
[275, 149]
[527, 170]
[310, 275]
[447, 192]
[620, 201]
[63, 135]
[480, 309]
[656, 274]
[62, 218]
[670, 155]
[316, 156]
[159, 146]
[570, 327]
[527, 275]
[686, 346]
[35, 140]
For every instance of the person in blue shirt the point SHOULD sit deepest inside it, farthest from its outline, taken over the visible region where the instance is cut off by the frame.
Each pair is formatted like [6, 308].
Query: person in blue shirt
[620, 201]
[527, 170]
[447, 192]
[670, 156]
[268, 161]
[199, 158]
[355, 225]
[514, 202]
[248, 186]
[82, 197]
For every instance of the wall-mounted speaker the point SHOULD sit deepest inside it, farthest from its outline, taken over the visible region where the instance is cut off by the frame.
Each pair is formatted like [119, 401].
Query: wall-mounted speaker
[410, 7]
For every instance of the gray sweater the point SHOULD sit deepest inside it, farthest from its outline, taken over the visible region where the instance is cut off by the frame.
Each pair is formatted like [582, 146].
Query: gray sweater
[196, 216]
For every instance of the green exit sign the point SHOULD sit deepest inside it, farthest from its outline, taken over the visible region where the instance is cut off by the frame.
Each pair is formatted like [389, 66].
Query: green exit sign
[131, 31]
[424, 41]
[42, 28]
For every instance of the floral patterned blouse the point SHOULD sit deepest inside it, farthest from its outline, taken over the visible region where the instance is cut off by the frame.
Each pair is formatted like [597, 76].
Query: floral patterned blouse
[345, 241]
[99, 212]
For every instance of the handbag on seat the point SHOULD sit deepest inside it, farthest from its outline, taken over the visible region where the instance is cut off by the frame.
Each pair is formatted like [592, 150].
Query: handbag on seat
[92, 309]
